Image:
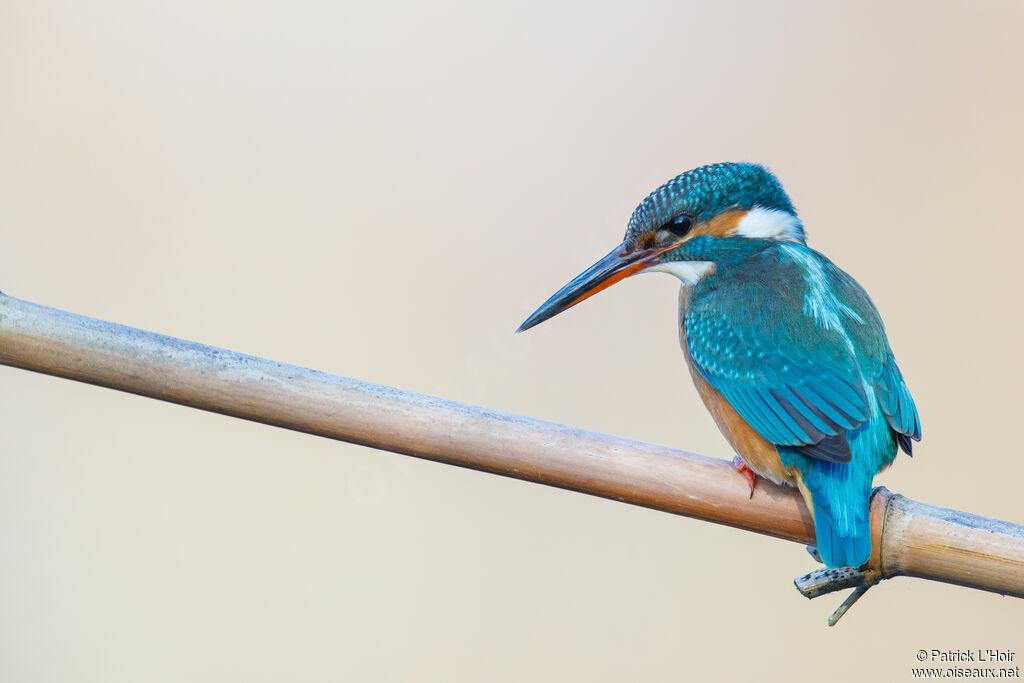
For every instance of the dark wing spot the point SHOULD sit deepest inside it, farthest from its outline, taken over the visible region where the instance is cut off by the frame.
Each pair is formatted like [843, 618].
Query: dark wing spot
[905, 443]
[830, 449]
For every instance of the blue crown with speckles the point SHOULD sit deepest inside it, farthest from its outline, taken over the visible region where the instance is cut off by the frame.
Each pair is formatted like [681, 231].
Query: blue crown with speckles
[707, 191]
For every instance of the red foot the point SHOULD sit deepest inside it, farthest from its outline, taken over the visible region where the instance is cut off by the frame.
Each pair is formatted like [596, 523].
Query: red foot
[748, 473]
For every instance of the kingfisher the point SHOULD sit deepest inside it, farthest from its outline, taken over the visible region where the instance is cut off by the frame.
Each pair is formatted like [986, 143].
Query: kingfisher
[787, 351]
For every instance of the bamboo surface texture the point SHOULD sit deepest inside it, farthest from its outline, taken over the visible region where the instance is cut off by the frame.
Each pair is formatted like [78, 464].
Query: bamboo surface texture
[910, 538]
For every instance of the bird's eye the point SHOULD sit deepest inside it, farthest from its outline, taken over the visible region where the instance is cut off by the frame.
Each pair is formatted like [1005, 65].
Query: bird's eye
[680, 225]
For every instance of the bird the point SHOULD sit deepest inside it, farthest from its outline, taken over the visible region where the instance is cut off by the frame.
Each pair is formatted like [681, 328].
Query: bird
[787, 351]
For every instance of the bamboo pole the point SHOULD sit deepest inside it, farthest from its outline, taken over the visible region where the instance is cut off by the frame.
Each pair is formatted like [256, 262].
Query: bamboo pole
[910, 538]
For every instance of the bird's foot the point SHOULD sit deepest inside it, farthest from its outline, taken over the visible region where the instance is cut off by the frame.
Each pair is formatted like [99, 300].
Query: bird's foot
[748, 473]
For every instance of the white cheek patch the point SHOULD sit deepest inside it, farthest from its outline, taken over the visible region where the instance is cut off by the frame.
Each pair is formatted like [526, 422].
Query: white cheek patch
[770, 224]
[688, 272]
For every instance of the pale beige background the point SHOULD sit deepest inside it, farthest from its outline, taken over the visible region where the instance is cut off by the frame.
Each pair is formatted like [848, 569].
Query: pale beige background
[385, 191]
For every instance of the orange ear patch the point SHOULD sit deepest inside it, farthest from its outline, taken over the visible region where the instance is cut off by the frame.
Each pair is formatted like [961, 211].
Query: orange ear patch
[724, 224]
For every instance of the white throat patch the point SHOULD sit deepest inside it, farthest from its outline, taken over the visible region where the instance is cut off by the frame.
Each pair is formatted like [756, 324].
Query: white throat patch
[770, 224]
[688, 272]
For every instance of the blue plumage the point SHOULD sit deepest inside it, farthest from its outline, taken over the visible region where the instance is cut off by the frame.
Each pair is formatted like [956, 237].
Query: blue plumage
[791, 343]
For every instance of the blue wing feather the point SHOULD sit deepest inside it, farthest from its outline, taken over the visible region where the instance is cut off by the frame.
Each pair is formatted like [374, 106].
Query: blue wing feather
[806, 409]
[897, 404]
[833, 399]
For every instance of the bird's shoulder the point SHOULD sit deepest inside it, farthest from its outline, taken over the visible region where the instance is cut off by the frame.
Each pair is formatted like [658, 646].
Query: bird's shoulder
[783, 296]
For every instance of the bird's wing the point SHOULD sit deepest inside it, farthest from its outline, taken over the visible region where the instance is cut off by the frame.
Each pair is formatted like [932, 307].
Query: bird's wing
[878, 362]
[792, 374]
[898, 405]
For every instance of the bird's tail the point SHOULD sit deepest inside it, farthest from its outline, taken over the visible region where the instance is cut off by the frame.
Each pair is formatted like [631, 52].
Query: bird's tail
[841, 545]
[840, 500]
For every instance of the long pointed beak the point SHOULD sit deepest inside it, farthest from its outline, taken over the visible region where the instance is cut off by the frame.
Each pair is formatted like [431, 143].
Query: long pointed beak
[617, 265]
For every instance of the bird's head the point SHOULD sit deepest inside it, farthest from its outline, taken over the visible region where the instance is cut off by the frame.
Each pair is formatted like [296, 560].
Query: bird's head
[700, 218]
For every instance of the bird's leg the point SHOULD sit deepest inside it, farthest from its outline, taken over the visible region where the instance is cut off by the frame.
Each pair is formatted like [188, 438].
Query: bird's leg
[748, 473]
